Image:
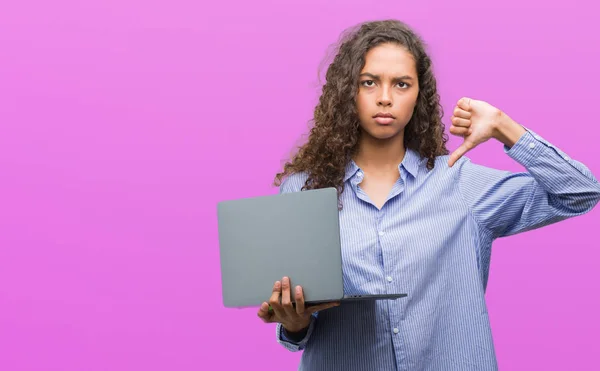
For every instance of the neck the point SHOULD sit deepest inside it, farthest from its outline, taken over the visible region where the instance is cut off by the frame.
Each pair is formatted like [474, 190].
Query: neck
[380, 154]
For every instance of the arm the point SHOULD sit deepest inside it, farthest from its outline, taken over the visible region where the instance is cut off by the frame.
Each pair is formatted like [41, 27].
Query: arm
[555, 187]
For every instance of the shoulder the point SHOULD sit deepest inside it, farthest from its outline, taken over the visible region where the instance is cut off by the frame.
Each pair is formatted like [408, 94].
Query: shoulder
[466, 171]
[293, 182]
[463, 170]
[441, 165]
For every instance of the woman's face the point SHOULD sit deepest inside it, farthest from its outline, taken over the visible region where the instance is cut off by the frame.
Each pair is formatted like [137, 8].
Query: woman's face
[388, 90]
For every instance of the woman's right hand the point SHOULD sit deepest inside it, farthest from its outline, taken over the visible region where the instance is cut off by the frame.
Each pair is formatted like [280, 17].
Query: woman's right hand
[283, 311]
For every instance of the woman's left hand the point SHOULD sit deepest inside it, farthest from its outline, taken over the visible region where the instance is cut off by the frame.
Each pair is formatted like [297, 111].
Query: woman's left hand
[478, 121]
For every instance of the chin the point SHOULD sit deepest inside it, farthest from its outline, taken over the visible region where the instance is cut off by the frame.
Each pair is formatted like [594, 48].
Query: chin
[383, 132]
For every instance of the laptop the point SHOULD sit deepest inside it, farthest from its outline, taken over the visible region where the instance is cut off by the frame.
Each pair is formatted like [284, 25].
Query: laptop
[264, 238]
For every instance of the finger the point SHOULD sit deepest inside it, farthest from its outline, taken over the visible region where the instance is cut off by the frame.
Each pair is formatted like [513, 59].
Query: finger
[299, 300]
[263, 312]
[457, 121]
[464, 103]
[459, 131]
[460, 151]
[274, 300]
[459, 112]
[324, 306]
[286, 300]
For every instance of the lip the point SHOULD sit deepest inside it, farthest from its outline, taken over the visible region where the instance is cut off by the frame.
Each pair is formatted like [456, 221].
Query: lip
[384, 114]
[383, 118]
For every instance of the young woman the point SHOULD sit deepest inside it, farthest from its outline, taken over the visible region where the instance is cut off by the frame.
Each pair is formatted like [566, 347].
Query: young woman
[413, 217]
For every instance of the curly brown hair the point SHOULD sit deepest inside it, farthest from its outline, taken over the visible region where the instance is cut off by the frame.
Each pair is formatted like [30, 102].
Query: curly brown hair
[333, 139]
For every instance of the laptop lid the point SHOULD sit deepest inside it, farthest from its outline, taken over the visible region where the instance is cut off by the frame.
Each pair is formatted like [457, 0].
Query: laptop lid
[262, 239]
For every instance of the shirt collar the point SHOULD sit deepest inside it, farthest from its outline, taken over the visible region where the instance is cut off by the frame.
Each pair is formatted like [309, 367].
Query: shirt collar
[411, 163]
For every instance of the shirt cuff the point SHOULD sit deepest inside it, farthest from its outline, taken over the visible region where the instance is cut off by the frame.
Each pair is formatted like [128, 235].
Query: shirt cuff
[302, 342]
[527, 149]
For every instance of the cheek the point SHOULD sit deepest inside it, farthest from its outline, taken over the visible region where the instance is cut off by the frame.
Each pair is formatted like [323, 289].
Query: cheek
[362, 104]
[410, 103]
[414, 99]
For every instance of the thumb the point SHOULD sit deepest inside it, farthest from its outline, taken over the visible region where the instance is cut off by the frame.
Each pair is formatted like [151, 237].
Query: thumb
[464, 103]
[458, 153]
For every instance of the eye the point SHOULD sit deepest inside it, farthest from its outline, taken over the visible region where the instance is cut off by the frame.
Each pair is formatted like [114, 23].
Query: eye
[406, 86]
[364, 83]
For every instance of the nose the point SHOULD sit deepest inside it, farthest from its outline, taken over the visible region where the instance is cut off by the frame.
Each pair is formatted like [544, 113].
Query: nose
[385, 98]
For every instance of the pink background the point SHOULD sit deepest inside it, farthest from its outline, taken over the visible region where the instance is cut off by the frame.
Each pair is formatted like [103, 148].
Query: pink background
[122, 123]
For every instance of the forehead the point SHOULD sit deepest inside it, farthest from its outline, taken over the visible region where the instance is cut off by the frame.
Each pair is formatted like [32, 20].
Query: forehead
[389, 59]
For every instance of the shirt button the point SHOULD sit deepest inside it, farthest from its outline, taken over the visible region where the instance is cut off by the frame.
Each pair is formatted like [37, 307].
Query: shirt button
[389, 279]
[396, 331]
[381, 233]
[531, 145]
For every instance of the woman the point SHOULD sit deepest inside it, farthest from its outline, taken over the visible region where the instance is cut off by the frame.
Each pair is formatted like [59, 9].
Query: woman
[413, 217]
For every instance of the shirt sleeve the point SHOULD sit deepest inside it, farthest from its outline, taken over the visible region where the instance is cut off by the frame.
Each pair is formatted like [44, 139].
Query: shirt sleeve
[554, 187]
[292, 345]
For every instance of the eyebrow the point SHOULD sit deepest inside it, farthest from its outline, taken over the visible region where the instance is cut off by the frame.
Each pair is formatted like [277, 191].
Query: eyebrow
[378, 78]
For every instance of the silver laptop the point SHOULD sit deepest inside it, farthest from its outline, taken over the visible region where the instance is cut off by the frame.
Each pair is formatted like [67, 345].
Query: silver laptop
[262, 239]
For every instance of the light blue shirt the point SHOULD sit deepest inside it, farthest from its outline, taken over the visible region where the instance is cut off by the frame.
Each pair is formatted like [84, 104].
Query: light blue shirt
[432, 239]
